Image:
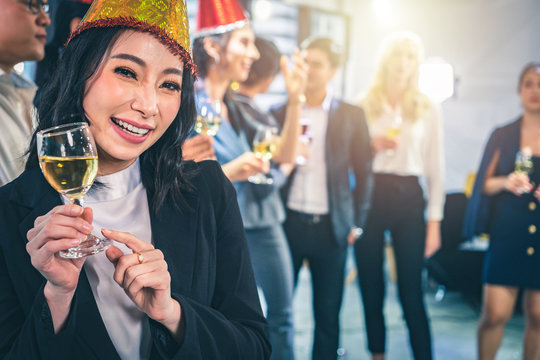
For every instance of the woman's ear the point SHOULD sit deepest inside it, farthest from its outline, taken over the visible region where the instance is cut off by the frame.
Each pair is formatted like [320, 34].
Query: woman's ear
[74, 23]
[212, 48]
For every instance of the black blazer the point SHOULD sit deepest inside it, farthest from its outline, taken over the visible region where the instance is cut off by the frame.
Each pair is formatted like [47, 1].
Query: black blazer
[208, 261]
[347, 149]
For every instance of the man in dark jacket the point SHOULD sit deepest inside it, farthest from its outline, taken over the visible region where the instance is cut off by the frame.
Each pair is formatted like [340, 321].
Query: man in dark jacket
[324, 214]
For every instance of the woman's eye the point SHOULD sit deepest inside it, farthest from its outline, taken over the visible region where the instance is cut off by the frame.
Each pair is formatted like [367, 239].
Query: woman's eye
[171, 86]
[125, 72]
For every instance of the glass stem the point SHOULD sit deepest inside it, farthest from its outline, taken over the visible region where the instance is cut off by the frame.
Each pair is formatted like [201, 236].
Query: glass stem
[78, 202]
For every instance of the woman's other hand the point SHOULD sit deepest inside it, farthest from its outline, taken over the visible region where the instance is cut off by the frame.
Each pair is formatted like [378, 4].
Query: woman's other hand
[198, 148]
[145, 278]
[383, 143]
[244, 166]
[517, 183]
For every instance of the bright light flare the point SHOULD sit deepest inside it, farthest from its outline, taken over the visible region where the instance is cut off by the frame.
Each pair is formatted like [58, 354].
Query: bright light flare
[19, 68]
[383, 10]
[436, 79]
[262, 10]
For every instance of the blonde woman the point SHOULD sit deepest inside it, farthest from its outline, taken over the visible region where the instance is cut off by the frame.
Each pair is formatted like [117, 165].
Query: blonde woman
[407, 144]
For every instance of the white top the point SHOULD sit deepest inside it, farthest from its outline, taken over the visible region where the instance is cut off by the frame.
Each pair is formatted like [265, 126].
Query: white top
[17, 119]
[419, 153]
[120, 205]
[309, 191]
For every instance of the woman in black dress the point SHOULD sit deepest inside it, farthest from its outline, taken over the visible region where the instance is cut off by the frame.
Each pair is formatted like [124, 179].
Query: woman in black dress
[505, 205]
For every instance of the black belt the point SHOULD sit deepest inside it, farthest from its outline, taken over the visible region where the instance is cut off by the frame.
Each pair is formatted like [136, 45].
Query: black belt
[306, 218]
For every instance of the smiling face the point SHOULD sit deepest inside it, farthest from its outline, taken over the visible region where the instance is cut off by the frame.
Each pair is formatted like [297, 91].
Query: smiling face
[239, 54]
[22, 33]
[132, 98]
[529, 90]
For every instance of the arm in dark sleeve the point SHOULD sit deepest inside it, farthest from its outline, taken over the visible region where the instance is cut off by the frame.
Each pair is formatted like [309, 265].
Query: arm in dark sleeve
[26, 332]
[233, 327]
[476, 214]
[361, 156]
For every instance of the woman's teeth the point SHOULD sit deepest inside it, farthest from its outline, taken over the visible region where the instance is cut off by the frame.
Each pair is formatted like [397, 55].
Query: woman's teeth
[129, 128]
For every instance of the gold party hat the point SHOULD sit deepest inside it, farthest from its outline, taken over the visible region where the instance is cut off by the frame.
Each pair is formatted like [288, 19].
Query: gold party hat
[166, 19]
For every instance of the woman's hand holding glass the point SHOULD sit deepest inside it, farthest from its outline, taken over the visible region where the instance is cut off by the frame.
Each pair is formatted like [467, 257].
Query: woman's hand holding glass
[383, 143]
[64, 227]
[145, 278]
[265, 143]
[245, 166]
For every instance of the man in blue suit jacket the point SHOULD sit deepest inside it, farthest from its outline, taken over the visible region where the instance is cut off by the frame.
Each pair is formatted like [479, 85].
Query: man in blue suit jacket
[323, 215]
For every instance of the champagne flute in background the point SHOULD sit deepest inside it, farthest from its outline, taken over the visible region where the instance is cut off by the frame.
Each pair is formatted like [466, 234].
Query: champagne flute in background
[523, 163]
[208, 116]
[264, 146]
[68, 159]
[394, 132]
[305, 139]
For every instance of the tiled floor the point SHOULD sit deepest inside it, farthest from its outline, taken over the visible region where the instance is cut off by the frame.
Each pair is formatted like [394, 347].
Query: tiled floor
[453, 322]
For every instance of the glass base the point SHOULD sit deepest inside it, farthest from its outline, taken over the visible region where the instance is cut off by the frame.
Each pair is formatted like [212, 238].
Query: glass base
[92, 245]
[261, 179]
[301, 160]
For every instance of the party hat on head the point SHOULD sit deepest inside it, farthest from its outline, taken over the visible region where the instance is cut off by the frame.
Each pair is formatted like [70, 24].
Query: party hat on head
[219, 16]
[166, 19]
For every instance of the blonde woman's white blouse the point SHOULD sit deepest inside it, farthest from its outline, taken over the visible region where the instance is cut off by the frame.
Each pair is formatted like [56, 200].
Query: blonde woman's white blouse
[419, 153]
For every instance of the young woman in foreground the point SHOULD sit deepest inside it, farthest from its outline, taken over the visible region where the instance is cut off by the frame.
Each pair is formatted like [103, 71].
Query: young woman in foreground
[177, 283]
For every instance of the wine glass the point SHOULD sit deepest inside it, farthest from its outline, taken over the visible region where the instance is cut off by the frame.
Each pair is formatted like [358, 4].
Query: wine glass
[305, 138]
[393, 132]
[208, 116]
[69, 162]
[264, 147]
[523, 163]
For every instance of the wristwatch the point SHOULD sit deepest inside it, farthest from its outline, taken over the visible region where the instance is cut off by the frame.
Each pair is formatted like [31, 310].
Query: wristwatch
[356, 232]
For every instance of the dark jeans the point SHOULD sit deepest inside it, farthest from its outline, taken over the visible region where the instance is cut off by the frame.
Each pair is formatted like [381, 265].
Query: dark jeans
[397, 206]
[312, 238]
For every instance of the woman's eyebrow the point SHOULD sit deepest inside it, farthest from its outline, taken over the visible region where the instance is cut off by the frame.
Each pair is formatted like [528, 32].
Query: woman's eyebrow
[142, 63]
[130, 57]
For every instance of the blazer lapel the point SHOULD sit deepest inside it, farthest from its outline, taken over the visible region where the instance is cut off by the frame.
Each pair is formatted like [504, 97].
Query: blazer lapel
[332, 129]
[174, 233]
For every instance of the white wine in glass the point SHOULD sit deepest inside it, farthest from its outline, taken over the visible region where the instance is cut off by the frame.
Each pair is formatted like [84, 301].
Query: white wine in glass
[264, 146]
[208, 118]
[68, 159]
[524, 163]
[394, 132]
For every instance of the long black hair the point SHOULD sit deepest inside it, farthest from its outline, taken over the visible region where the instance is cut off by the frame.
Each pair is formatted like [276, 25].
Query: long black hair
[162, 168]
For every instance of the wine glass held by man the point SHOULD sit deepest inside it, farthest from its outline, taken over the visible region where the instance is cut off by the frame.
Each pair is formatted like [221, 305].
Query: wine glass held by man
[146, 296]
[505, 204]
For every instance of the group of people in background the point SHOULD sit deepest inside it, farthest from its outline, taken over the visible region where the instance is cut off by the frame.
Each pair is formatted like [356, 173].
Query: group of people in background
[310, 177]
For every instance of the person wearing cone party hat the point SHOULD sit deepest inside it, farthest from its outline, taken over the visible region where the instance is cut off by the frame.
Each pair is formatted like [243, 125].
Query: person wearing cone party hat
[224, 50]
[177, 282]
